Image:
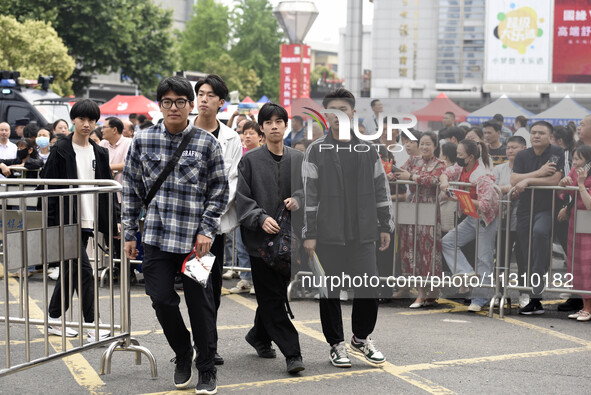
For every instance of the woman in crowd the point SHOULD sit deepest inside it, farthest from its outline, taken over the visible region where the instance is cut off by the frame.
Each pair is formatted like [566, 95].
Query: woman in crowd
[43, 139]
[425, 170]
[26, 156]
[447, 207]
[475, 134]
[484, 197]
[96, 135]
[565, 139]
[252, 136]
[60, 127]
[580, 176]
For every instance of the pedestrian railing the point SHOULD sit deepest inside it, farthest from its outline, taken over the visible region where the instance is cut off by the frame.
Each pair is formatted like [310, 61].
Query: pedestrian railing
[28, 241]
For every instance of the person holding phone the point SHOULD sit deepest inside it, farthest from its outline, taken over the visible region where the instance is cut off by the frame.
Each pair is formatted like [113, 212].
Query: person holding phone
[542, 164]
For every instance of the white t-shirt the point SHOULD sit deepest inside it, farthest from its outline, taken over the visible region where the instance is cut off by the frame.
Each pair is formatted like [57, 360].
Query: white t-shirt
[85, 166]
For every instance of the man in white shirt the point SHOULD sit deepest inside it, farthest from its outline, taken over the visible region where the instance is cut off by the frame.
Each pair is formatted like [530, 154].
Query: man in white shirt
[7, 148]
[118, 145]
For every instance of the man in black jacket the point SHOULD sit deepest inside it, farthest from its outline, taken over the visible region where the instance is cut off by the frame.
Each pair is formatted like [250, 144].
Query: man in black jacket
[78, 157]
[347, 209]
[269, 177]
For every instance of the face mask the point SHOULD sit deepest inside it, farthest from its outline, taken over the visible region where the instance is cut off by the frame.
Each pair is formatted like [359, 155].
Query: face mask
[461, 162]
[42, 142]
[22, 153]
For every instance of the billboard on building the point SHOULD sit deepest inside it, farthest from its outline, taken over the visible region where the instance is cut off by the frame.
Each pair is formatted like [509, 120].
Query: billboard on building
[572, 41]
[517, 41]
[294, 73]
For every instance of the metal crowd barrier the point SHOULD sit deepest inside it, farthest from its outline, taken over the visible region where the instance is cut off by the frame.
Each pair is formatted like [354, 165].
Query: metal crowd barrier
[581, 224]
[27, 241]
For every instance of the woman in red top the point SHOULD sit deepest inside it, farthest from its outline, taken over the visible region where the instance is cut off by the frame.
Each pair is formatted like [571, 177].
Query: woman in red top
[425, 171]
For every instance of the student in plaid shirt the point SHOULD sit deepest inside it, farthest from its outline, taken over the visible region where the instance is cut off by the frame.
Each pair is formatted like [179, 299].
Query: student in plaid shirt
[184, 213]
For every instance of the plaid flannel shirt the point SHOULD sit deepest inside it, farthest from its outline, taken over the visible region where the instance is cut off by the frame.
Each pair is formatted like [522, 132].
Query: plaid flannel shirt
[191, 199]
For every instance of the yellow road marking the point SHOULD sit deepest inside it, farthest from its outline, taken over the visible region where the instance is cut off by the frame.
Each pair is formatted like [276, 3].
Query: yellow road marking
[410, 378]
[83, 373]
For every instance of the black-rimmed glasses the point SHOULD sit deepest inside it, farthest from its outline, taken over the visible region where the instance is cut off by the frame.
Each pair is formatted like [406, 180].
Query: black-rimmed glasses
[179, 103]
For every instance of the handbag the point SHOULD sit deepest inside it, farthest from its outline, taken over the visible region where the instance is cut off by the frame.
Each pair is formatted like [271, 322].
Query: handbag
[276, 249]
[169, 166]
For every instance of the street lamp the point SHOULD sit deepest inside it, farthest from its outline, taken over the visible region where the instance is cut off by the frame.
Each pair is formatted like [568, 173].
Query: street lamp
[296, 19]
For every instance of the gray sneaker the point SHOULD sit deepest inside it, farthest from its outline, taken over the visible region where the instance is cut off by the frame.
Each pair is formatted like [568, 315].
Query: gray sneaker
[339, 357]
[368, 350]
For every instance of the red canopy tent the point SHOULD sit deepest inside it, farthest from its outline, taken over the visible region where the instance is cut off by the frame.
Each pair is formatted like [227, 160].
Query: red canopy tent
[125, 105]
[247, 99]
[440, 105]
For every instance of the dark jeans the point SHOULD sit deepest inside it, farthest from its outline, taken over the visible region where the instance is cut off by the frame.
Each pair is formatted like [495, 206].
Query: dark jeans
[159, 270]
[217, 249]
[356, 260]
[271, 322]
[86, 294]
[514, 248]
[541, 251]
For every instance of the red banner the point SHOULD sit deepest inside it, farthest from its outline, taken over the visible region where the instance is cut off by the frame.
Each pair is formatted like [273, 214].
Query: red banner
[295, 73]
[466, 202]
[572, 41]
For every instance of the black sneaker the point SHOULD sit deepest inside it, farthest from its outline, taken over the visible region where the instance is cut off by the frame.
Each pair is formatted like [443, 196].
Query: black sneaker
[572, 304]
[207, 382]
[533, 307]
[217, 359]
[294, 364]
[183, 372]
[264, 350]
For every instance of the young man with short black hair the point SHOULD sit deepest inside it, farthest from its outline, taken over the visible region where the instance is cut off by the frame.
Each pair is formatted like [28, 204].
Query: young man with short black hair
[118, 146]
[542, 164]
[269, 179]
[348, 209]
[211, 95]
[75, 157]
[183, 216]
[496, 149]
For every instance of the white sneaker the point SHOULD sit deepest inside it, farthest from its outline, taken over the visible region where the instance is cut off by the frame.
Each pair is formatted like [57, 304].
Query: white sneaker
[53, 273]
[523, 300]
[243, 286]
[252, 290]
[230, 274]
[102, 335]
[474, 307]
[55, 329]
[344, 296]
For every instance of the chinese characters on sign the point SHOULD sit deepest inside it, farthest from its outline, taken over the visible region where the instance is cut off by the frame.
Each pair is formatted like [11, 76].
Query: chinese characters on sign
[518, 41]
[294, 73]
[572, 41]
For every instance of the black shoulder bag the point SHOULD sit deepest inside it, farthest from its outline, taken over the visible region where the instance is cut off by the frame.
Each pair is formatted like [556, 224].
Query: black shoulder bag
[169, 166]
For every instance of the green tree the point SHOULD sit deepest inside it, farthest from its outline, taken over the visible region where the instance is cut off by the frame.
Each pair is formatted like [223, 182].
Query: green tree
[320, 73]
[258, 43]
[106, 35]
[206, 35]
[34, 48]
[236, 77]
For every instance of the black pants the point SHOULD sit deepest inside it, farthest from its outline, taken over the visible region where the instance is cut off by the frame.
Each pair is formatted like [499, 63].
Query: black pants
[541, 250]
[514, 248]
[217, 249]
[356, 260]
[159, 270]
[271, 322]
[87, 292]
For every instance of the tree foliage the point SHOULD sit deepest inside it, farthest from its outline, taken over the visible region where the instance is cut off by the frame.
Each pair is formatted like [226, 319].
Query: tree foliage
[206, 35]
[322, 72]
[34, 49]
[257, 43]
[106, 35]
[236, 77]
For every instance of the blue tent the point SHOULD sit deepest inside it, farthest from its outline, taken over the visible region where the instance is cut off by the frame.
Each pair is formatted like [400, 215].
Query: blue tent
[226, 104]
[563, 112]
[504, 106]
[263, 99]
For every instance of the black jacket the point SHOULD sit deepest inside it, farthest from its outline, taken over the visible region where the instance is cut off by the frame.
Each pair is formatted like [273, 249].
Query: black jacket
[61, 163]
[263, 185]
[324, 193]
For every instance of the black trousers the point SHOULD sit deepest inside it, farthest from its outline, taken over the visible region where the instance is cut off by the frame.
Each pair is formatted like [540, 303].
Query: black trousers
[86, 293]
[217, 249]
[356, 260]
[159, 270]
[271, 322]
